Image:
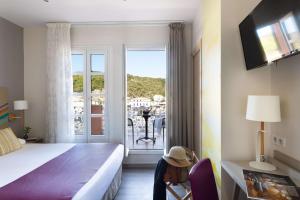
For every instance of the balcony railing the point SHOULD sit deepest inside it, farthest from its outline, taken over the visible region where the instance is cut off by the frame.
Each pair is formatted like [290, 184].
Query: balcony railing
[136, 127]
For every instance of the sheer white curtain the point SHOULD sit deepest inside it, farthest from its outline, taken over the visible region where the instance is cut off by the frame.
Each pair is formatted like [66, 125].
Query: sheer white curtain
[180, 91]
[60, 84]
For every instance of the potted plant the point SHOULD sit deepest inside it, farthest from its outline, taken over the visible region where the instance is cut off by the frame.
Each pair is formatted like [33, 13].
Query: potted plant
[27, 130]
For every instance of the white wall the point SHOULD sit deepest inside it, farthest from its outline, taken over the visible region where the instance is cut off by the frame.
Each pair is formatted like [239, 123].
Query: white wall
[113, 37]
[277, 79]
[207, 27]
[198, 28]
[285, 82]
[237, 82]
[238, 134]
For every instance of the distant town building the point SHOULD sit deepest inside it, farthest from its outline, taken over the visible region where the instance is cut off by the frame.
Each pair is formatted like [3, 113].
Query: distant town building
[139, 102]
[158, 98]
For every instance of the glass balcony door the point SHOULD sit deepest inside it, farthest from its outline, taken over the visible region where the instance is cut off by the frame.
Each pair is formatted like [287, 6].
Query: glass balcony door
[89, 92]
[145, 70]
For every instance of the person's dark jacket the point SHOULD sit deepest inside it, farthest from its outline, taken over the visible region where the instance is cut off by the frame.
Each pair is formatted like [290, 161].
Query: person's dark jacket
[159, 189]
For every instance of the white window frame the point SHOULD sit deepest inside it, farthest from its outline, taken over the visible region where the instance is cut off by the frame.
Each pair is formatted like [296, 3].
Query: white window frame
[140, 47]
[87, 51]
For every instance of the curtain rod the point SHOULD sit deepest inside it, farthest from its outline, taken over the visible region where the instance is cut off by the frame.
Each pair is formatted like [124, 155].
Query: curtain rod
[147, 23]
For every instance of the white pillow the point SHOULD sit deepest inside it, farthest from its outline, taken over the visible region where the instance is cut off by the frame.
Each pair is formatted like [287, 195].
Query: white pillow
[22, 141]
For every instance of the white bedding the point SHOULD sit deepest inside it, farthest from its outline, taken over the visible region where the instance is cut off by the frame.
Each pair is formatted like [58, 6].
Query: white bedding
[31, 156]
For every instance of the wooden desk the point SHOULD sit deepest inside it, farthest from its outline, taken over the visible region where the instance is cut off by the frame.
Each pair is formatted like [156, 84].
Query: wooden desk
[235, 171]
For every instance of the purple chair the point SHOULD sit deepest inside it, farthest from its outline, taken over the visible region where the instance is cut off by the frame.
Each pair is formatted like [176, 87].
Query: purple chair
[203, 181]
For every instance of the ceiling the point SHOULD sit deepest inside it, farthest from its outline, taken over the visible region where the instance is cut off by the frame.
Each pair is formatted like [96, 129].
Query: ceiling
[36, 12]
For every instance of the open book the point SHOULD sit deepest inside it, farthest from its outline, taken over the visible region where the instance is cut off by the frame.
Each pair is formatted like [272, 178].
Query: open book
[270, 186]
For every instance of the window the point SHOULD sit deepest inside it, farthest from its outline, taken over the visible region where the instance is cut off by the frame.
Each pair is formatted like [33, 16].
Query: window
[97, 93]
[78, 68]
[89, 69]
[146, 90]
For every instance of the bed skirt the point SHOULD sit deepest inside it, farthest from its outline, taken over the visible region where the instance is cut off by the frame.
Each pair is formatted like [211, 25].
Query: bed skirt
[112, 191]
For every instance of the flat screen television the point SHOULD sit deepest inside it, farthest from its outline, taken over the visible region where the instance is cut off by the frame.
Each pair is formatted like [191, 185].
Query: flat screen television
[271, 32]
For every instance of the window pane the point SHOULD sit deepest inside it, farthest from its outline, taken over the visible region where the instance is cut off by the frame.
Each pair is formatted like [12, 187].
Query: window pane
[77, 70]
[97, 125]
[97, 94]
[97, 84]
[78, 98]
[97, 115]
[77, 63]
[97, 105]
[97, 63]
[78, 103]
[79, 125]
[78, 83]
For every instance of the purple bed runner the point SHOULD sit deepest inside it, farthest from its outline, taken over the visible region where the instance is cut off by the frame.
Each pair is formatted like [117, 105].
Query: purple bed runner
[62, 177]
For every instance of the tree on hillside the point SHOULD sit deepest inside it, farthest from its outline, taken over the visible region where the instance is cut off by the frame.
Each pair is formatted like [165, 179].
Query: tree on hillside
[137, 86]
[145, 86]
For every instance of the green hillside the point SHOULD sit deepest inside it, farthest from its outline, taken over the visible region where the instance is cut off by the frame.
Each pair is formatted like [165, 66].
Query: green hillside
[145, 86]
[137, 86]
[77, 83]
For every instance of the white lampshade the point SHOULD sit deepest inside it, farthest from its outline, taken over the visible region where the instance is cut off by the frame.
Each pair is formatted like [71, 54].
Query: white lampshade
[20, 105]
[263, 108]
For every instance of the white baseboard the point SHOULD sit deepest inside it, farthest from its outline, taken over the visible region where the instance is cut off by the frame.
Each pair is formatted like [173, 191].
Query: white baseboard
[143, 157]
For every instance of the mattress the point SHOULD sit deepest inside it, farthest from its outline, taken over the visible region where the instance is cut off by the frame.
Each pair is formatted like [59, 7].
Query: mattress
[32, 156]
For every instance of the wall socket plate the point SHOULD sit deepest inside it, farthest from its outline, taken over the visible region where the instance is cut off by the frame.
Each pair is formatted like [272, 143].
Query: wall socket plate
[279, 141]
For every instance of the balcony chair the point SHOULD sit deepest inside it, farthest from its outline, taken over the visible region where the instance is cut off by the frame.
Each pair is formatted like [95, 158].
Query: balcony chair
[130, 123]
[163, 126]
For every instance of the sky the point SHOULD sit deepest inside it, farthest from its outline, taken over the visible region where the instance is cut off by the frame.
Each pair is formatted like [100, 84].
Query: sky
[139, 63]
[98, 62]
[146, 63]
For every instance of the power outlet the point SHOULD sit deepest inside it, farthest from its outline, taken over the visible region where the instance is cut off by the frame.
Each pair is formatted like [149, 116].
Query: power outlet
[282, 141]
[279, 141]
[275, 140]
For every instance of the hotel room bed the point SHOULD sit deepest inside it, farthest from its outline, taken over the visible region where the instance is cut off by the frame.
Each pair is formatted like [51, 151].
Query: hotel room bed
[61, 171]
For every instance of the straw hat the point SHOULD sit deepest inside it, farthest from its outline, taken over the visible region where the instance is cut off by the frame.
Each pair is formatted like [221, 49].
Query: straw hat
[177, 157]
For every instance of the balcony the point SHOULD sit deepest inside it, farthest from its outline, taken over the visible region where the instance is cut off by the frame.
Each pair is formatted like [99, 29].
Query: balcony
[136, 126]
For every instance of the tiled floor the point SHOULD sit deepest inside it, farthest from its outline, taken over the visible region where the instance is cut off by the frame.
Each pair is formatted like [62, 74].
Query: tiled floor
[137, 184]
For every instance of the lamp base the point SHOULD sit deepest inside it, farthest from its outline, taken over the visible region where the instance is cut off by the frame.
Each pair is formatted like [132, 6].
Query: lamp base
[262, 166]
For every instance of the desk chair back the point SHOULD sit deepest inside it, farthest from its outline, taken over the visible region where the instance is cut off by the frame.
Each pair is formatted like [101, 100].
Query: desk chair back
[202, 181]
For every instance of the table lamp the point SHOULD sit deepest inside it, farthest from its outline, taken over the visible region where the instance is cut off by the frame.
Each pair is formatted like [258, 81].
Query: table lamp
[262, 109]
[21, 105]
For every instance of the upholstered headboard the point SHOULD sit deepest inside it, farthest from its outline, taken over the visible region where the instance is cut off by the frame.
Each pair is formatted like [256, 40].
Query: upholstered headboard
[3, 108]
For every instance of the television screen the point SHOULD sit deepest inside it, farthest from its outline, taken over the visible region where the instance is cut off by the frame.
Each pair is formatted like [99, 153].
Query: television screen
[271, 32]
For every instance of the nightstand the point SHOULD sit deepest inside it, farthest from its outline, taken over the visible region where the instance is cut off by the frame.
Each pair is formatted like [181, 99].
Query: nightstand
[35, 140]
